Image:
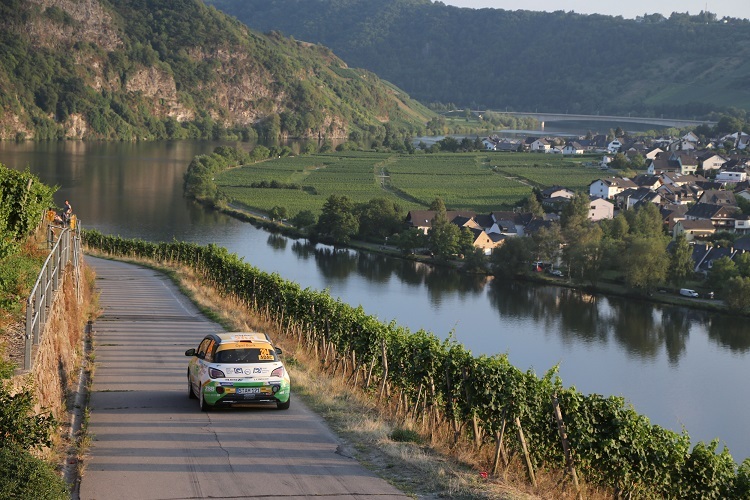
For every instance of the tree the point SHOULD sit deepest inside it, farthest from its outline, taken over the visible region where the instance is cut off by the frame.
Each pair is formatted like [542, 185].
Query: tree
[585, 255]
[646, 221]
[681, 263]
[531, 204]
[615, 229]
[511, 257]
[742, 261]
[475, 261]
[645, 263]
[738, 293]
[443, 238]
[575, 214]
[379, 218]
[410, 240]
[338, 220]
[438, 205]
[304, 219]
[722, 270]
[620, 162]
[547, 242]
[278, 213]
[638, 162]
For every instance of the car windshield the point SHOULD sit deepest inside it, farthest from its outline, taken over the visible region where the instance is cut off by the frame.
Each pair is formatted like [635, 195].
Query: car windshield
[246, 355]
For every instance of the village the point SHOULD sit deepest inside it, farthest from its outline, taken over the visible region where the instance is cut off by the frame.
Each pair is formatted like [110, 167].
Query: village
[699, 189]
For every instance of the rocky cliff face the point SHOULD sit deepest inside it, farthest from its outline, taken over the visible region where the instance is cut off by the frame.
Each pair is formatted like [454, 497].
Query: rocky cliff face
[140, 73]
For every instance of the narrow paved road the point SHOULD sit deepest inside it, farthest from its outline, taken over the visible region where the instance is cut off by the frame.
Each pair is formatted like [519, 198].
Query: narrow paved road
[149, 441]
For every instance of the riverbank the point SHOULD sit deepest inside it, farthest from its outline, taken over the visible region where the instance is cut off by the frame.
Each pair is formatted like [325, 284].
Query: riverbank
[663, 295]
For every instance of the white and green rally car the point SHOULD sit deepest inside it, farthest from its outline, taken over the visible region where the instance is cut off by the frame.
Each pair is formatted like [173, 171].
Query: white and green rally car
[237, 367]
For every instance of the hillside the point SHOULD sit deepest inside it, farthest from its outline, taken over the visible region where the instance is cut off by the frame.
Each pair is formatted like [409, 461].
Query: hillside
[157, 69]
[521, 60]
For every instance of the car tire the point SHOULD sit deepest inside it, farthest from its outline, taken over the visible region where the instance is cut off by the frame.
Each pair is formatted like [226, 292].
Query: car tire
[191, 393]
[204, 406]
[284, 406]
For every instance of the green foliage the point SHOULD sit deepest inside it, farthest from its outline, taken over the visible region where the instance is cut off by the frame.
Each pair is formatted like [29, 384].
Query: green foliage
[446, 67]
[737, 293]
[338, 221]
[20, 426]
[24, 200]
[681, 263]
[25, 477]
[613, 446]
[302, 90]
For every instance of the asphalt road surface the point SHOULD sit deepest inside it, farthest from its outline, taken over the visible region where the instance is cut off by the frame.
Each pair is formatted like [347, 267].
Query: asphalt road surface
[150, 441]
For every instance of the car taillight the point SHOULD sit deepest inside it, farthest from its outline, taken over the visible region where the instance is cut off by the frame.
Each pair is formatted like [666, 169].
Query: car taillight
[278, 372]
[214, 373]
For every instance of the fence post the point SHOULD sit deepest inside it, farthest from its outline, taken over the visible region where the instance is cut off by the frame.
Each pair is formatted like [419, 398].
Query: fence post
[27, 333]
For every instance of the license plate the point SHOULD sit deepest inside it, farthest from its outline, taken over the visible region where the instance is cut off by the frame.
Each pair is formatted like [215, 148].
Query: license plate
[248, 390]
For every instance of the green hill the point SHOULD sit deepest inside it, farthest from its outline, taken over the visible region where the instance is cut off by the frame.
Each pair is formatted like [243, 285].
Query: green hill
[521, 60]
[157, 69]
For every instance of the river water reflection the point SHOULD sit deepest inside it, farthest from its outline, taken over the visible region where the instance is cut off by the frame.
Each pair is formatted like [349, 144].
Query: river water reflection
[677, 366]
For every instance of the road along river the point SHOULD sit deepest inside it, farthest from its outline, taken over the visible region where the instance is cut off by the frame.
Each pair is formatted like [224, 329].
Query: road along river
[150, 441]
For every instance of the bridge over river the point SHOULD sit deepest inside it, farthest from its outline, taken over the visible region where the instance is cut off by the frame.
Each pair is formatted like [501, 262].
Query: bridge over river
[659, 122]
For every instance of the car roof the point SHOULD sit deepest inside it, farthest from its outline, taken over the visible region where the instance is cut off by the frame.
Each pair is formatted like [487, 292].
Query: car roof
[248, 337]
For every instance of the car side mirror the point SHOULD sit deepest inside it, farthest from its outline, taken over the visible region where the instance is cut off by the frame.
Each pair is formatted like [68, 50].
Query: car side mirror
[278, 350]
[190, 352]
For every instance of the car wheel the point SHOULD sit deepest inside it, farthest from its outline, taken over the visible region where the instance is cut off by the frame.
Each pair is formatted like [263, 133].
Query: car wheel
[204, 406]
[284, 406]
[191, 393]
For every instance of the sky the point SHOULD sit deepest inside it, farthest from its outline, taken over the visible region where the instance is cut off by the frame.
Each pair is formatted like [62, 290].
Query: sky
[628, 10]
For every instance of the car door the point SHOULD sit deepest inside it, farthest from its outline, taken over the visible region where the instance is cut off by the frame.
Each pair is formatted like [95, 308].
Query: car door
[197, 367]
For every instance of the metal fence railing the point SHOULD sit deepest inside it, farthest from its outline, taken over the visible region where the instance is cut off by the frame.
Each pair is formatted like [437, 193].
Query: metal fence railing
[66, 248]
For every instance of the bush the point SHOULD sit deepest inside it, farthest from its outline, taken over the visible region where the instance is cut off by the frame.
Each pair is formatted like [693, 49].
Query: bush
[23, 476]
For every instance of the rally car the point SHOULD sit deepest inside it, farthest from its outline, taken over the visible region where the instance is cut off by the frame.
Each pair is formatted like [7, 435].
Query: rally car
[237, 367]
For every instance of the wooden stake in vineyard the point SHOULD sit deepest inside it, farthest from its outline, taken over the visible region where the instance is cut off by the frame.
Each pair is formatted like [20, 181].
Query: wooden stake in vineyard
[529, 464]
[566, 446]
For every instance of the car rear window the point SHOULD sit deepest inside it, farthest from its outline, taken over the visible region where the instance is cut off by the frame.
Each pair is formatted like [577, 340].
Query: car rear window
[246, 355]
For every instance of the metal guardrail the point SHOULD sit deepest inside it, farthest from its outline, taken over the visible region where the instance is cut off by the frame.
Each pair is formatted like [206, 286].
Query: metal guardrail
[65, 249]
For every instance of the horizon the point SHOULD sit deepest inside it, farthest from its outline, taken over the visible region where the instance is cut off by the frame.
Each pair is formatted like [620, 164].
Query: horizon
[629, 10]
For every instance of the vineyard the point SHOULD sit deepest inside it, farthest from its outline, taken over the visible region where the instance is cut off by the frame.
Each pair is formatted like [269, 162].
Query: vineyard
[484, 400]
[480, 182]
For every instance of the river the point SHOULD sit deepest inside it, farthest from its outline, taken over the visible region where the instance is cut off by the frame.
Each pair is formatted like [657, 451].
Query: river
[678, 366]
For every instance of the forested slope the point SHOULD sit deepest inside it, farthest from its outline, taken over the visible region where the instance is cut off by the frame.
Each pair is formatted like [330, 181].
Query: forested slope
[155, 69]
[522, 60]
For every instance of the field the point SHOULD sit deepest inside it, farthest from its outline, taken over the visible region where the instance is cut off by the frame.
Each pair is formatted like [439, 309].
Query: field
[470, 181]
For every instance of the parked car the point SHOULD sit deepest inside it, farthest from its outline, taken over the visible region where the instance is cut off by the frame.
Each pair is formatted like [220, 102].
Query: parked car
[556, 272]
[687, 292]
[237, 367]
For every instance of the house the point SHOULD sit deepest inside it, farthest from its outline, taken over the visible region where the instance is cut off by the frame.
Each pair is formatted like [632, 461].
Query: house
[608, 188]
[742, 224]
[507, 146]
[651, 182]
[540, 145]
[662, 165]
[633, 197]
[484, 241]
[652, 153]
[614, 146]
[601, 209]
[716, 197]
[554, 191]
[671, 214]
[422, 219]
[489, 144]
[709, 161]
[721, 216]
[573, 148]
[732, 175]
[693, 229]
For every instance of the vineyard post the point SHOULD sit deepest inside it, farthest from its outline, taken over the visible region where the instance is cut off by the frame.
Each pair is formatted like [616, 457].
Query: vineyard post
[369, 373]
[526, 455]
[477, 435]
[385, 371]
[566, 446]
[499, 449]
